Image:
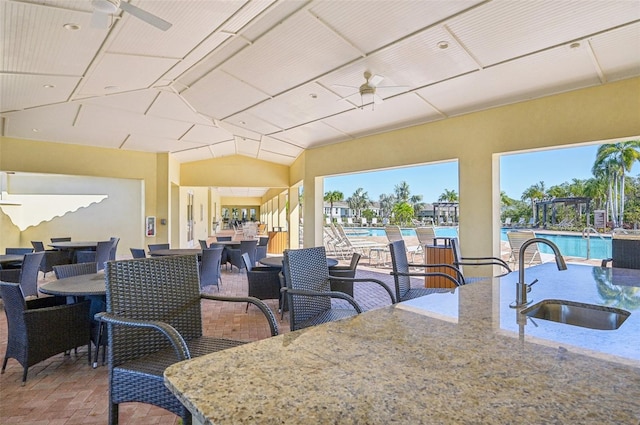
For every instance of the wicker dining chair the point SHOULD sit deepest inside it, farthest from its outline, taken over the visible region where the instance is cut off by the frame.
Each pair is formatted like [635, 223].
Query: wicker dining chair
[210, 267]
[98, 304]
[52, 257]
[235, 254]
[154, 320]
[42, 327]
[402, 274]
[138, 253]
[459, 261]
[349, 271]
[264, 281]
[308, 289]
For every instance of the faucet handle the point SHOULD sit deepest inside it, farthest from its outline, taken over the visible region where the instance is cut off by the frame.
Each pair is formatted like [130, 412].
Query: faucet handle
[531, 284]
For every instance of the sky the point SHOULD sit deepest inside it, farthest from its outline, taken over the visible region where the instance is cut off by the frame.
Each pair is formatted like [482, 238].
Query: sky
[553, 167]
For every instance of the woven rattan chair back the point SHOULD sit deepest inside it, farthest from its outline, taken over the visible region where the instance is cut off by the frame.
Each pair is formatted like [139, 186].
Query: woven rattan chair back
[147, 295]
[264, 282]
[41, 328]
[203, 244]
[38, 246]
[155, 246]
[114, 248]
[158, 288]
[138, 253]
[29, 273]
[306, 269]
[223, 238]
[250, 248]
[76, 269]
[210, 267]
[400, 264]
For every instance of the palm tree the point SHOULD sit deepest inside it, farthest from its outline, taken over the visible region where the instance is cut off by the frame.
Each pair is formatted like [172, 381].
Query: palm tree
[613, 161]
[386, 204]
[533, 193]
[416, 202]
[359, 201]
[331, 197]
[402, 192]
[448, 196]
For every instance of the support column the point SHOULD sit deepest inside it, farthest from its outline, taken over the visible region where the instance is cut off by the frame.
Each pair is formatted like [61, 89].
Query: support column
[294, 218]
[312, 211]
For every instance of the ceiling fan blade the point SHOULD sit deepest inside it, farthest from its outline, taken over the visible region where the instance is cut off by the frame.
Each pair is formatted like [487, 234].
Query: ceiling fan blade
[99, 20]
[377, 99]
[375, 80]
[344, 87]
[392, 87]
[145, 16]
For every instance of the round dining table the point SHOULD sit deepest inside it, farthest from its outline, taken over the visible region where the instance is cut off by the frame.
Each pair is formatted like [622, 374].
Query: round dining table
[10, 258]
[72, 246]
[277, 261]
[91, 286]
[76, 286]
[175, 251]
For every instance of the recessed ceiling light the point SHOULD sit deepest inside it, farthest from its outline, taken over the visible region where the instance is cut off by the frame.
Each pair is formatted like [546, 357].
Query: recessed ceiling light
[242, 122]
[443, 45]
[48, 86]
[71, 27]
[574, 45]
[111, 87]
[313, 96]
[35, 130]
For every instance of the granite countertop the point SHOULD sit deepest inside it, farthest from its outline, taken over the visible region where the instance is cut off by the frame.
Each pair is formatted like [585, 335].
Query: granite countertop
[459, 357]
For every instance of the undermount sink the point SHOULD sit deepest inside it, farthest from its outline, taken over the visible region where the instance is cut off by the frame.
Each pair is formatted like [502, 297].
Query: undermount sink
[578, 314]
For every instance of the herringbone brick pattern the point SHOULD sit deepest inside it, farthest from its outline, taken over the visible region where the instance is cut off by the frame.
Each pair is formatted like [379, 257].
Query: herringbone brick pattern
[65, 390]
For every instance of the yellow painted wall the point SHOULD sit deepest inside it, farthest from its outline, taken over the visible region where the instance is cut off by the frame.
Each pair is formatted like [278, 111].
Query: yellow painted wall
[234, 171]
[593, 114]
[120, 214]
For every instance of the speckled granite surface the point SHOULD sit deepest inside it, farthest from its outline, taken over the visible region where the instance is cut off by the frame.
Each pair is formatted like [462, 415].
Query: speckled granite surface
[460, 357]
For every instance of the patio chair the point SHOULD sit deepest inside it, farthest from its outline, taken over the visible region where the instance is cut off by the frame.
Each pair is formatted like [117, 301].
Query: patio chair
[97, 305]
[459, 261]
[402, 275]
[349, 271]
[394, 233]
[155, 246]
[308, 289]
[625, 250]
[203, 244]
[264, 281]
[41, 328]
[426, 235]
[138, 252]
[27, 276]
[52, 257]
[516, 239]
[210, 267]
[235, 254]
[262, 248]
[154, 320]
[114, 248]
[101, 255]
[15, 251]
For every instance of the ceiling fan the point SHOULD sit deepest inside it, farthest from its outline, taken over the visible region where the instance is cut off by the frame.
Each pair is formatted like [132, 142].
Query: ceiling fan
[368, 89]
[102, 9]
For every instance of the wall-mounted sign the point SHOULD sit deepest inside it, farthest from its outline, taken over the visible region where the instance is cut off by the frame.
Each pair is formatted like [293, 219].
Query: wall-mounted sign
[151, 227]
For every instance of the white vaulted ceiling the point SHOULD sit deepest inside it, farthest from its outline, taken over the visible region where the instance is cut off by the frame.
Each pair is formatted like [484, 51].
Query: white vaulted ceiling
[266, 79]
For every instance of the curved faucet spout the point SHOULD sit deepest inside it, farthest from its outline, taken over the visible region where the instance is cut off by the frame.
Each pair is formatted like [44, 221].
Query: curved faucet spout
[521, 287]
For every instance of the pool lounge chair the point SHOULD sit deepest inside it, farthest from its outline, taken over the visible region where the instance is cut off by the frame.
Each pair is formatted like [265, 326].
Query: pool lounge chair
[394, 233]
[516, 239]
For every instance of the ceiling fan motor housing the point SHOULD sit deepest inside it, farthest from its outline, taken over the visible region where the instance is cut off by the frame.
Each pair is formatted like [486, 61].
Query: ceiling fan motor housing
[106, 6]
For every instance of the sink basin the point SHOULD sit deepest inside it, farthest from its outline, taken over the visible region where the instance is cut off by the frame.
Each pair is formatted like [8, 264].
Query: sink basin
[578, 314]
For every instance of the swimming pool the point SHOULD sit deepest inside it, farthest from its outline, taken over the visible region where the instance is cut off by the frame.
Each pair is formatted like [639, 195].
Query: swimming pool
[569, 245]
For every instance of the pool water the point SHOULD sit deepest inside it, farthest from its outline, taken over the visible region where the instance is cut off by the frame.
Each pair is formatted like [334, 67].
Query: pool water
[569, 245]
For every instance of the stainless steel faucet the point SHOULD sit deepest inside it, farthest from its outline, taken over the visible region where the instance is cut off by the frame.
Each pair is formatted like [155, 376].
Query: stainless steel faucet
[522, 287]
